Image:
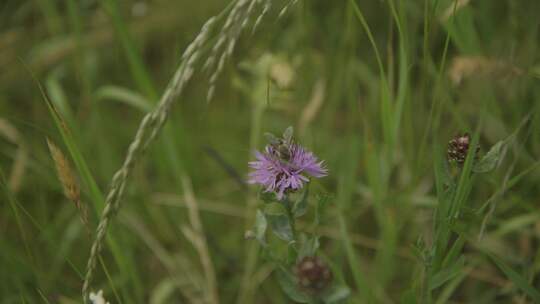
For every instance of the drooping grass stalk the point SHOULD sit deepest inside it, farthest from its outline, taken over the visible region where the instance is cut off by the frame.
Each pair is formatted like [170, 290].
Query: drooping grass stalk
[84, 171]
[82, 168]
[145, 85]
[266, 8]
[236, 21]
[287, 6]
[149, 128]
[196, 235]
[153, 123]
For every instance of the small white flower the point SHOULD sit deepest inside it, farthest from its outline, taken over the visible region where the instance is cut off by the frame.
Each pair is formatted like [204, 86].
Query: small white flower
[97, 298]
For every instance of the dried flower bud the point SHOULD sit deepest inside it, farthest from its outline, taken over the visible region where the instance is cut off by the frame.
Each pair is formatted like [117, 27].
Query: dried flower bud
[312, 274]
[458, 148]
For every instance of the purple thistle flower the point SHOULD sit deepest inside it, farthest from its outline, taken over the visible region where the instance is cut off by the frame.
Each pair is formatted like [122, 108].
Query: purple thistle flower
[283, 168]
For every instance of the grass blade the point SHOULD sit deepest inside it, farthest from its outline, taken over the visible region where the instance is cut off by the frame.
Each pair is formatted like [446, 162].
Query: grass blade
[516, 278]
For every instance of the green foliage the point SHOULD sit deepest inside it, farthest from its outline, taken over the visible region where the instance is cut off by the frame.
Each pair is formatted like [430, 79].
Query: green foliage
[308, 246]
[288, 285]
[491, 159]
[334, 294]
[517, 279]
[279, 220]
[447, 274]
[375, 88]
[300, 206]
[124, 95]
[260, 227]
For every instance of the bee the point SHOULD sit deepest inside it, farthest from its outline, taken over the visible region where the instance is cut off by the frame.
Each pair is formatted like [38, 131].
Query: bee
[282, 146]
[283, 151]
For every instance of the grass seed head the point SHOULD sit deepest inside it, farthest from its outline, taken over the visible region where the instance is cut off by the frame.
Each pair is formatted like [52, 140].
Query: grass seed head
[68, 180]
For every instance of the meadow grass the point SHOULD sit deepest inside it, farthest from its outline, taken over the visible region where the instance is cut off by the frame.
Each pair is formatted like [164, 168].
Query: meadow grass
[146, 114]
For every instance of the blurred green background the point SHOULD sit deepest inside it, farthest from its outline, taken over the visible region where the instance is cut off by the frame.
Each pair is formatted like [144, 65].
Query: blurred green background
[379, 117]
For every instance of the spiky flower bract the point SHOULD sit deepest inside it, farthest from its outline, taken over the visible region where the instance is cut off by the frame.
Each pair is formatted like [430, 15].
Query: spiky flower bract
[284, 166]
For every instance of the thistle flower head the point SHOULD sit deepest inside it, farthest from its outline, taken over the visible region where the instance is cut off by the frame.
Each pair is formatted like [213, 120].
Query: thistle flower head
[284, 166]
[312, 274]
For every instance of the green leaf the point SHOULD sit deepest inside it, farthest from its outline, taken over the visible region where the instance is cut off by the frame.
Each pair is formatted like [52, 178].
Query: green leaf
[466, 222]
[447, 274]
[336, 294]
[58, 97]
[453, 254]
[308, 246]
[292, 253]
[275, 209]
[517, 223]
[125, 96]
[516, 278]
[276, 215]
[267, 197]
[281, 227]
[408, 297]
[491, 159]
[288, 285]
[300, 206]
[446, 293]
[260, 227]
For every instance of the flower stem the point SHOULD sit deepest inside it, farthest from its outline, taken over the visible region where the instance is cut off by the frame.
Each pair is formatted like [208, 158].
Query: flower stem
[289, 206]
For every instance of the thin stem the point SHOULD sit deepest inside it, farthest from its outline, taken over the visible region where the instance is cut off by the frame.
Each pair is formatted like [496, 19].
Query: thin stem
[289, 206]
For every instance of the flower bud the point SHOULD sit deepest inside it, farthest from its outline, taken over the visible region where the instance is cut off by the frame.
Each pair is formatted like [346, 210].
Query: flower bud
[458, 148]
[312, 274]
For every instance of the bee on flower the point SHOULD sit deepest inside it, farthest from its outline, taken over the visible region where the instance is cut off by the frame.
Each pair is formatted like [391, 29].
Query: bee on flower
[284, 166]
